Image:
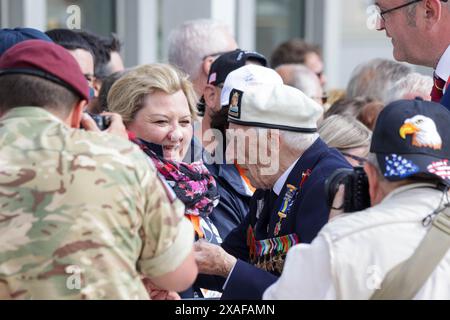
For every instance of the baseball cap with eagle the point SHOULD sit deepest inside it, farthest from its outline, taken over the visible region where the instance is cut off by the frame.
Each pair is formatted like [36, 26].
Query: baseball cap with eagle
[412, 137]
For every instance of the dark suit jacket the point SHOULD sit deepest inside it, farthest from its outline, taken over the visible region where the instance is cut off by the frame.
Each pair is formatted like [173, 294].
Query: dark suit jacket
[228, 214]
[446, 99]
[234, 201]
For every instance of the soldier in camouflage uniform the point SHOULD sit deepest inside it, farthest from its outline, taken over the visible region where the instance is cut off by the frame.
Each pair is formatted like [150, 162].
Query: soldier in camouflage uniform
[83, 214]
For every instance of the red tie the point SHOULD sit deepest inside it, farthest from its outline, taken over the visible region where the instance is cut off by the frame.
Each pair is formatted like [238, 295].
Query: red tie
[438, 89]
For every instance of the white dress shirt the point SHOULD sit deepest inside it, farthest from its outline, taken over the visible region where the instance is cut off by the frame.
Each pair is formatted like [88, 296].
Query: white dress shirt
[282, 180]
[353, 253]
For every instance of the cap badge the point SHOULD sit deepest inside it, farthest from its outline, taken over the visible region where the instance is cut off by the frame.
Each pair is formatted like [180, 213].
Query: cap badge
[424, 132]
[440, 168]
[235, 103]
[397, 166]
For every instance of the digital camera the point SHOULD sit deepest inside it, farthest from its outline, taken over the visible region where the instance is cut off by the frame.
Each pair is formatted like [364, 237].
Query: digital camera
[356, 196]
[103, 122]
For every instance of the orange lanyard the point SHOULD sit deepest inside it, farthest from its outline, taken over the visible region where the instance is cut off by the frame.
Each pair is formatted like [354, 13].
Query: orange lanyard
[242, 174]
[195, 220]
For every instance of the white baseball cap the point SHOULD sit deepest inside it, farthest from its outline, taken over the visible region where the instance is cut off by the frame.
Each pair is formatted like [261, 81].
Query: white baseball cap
[274, 106]
[247, 76]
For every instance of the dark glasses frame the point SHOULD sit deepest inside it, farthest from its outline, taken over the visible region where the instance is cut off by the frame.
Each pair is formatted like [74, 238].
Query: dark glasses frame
[361, 161]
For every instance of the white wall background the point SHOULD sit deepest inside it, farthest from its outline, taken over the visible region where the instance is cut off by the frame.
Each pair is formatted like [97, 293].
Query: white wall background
[144, 25]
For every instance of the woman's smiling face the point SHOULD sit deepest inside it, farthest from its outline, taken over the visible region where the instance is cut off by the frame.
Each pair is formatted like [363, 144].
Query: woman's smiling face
[165, 119]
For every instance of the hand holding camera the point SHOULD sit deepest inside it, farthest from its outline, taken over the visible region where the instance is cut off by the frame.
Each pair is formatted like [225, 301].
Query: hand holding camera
[355, 186]
[107, 122]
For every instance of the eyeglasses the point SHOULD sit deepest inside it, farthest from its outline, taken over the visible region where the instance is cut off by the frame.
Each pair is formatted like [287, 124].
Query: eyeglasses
[361, 161]
[381, 13]
[214, 55]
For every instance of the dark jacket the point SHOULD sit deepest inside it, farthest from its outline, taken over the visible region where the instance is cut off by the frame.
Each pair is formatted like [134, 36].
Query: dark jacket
[233, 204]
[446, 99]
[307, 215]
[234, 200]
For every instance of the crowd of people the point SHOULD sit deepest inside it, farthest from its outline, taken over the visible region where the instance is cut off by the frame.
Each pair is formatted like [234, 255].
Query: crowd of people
[224, 174]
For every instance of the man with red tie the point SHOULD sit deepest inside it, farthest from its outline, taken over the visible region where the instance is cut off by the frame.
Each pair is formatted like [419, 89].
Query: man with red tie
[420, 33]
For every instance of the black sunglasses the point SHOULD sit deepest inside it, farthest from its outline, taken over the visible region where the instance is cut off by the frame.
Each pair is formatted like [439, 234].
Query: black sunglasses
[360, 160]
[214, 55]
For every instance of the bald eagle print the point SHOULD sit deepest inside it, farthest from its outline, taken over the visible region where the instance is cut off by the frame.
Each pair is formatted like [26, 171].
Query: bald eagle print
[424, 132]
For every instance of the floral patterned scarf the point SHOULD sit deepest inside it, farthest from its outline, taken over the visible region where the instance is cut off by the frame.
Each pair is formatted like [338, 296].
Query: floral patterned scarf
[192, 183]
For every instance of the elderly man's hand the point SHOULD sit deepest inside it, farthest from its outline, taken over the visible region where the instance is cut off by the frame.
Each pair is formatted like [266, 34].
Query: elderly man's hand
[212, 259]
[338, 203]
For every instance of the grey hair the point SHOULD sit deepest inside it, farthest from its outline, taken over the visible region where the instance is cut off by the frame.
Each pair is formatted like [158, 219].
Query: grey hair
[412, 83]
[302, 78]
[373, 160]
[299, 142]
[374, 78]
[344, 132]
[194, 40]
[411, 15]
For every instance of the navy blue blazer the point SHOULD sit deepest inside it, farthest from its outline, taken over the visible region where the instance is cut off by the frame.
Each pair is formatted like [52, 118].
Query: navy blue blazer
[308, 214]
[446, 99]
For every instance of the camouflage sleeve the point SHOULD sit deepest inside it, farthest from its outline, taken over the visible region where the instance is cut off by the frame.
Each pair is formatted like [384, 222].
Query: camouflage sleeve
[168, 235]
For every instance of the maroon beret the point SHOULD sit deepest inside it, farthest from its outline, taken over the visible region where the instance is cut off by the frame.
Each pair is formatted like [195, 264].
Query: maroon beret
[46, 60]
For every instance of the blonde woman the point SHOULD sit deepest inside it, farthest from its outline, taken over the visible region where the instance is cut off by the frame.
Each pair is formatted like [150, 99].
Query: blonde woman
[157, 103]
[349, 136]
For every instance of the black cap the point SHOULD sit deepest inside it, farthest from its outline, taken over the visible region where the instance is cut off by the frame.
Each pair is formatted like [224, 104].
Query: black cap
[230, 61]
[413, 137]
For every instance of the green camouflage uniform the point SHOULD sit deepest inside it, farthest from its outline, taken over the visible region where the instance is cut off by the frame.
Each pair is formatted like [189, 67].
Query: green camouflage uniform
[83, 215]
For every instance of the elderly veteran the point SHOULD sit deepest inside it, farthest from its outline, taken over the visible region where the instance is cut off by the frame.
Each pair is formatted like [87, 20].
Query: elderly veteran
[289, 206]
[404, 235]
